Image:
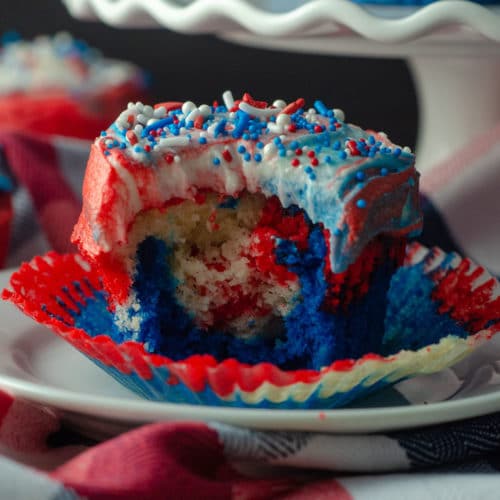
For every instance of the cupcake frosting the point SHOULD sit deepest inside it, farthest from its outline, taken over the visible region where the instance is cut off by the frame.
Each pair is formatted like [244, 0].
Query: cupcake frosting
[356, 183]
[58, 63]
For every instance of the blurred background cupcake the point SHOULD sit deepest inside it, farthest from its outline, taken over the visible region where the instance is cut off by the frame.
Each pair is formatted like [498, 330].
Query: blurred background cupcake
[60, 85]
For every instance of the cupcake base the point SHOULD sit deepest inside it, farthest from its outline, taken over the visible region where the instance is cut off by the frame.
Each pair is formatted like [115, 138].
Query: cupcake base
[59, 290]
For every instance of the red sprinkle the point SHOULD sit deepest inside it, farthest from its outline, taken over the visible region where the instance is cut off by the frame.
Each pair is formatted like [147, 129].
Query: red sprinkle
[314, 162]
[311, 154]
[169, 158]
[130, 119]
[295, 162]
[227, 155]
[298, 151]
[131, 137]
[292, 128]
[198, 122]
[169, 105]
[294, 106]
[256, 104]
[147, 148]
[318, 129]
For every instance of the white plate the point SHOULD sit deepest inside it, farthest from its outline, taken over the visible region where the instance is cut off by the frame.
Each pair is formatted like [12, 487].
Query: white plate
[36, 365]
[279, 18]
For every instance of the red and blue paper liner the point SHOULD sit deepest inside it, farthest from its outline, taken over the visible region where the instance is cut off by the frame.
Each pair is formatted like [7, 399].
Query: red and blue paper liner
[441, 308]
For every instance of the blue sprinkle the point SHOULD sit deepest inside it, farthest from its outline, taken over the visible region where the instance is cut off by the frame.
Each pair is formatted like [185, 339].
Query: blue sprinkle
[360, 176]
[159, 124]
[282, 152]
[254, 136]
[219, 128]
[106, 153]
[337, 232]
[190, 124]
[320, 107]
[247, 156]
[308, 169]
[241, 149]
[361, 203]
[216, 161]
[246, 137]
[257, 157]
[343, 155]
[336, 145]
[294, 145]
[312, 176]
[123, 145]
[202, 140]
[138, 149]
[260, 144]
[328, 159]
[396, 152]
[330, 114]
[371, 140]
[384, 171]
[277, 140]
[332, 128]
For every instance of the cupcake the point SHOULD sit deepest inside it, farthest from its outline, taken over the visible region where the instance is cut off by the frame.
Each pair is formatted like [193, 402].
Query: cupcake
[247, 231]
[247, 254]
[59, 85]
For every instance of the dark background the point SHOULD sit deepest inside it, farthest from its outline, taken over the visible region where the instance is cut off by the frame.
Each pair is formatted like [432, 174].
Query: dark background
[374, 93]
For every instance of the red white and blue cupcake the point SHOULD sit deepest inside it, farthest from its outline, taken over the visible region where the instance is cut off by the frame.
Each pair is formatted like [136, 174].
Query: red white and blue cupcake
[249, 254]
[60, 86]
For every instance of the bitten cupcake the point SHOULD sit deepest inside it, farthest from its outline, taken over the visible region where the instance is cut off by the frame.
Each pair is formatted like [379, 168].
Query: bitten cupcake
[253, 254]
[264, 233]
[59, 85]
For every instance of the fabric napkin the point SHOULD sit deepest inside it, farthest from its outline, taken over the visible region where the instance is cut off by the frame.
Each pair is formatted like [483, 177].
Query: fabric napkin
[41, 458]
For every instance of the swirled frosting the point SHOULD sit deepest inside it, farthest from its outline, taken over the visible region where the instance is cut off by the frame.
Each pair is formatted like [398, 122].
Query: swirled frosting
[356, 183]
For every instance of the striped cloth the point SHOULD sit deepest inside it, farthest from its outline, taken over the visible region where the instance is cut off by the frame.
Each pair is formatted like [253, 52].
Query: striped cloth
[42, 459]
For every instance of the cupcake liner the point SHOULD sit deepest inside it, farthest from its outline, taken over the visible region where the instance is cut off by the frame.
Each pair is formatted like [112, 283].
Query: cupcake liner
[461, 302]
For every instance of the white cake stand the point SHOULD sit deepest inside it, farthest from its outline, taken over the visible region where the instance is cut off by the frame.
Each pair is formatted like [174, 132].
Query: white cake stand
[452, 47]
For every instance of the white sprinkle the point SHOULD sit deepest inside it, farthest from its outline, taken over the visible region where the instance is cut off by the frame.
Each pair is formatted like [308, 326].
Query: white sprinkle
[138, 129]
[339, 114]
[289, 152]
[407, 149]
[177, 159]
[139, 106]
[203, 134]
[261, 113]
[283, 137]
[305, 148]
[232, 115]
[228, 99]
[148, 110]
[174, 141]
[188, 106]
[130, 105]
[183, 130]
[142, 118]
[279, 103]
[160, 112]
[269, 149]
[151, 121]
[283, 120]
[274, 128]
[205, 110]
[311, 111]
[191, 117]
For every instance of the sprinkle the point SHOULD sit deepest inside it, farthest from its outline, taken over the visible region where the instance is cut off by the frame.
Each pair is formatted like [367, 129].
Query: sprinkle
[320, 107]
[260, 145]
[361, 203]
[294, 106]
[360, 176]
[337, 231]
[228, 99]
[298, 151]
[384, 171]
[311, 154]
[226, 154]
[339, 114]
[205, 110]
[241, 125]
[259, 112]
[269, 149]
[279, 103]
[174, 141]
[131, 137]
[187, 107]
[247, 156]
[241, 149]
[397, 152]
[169, 158]
[216, 161]
[343, 155]
[220, 128]
[257, 157]
[202, 140]
[314, 162]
